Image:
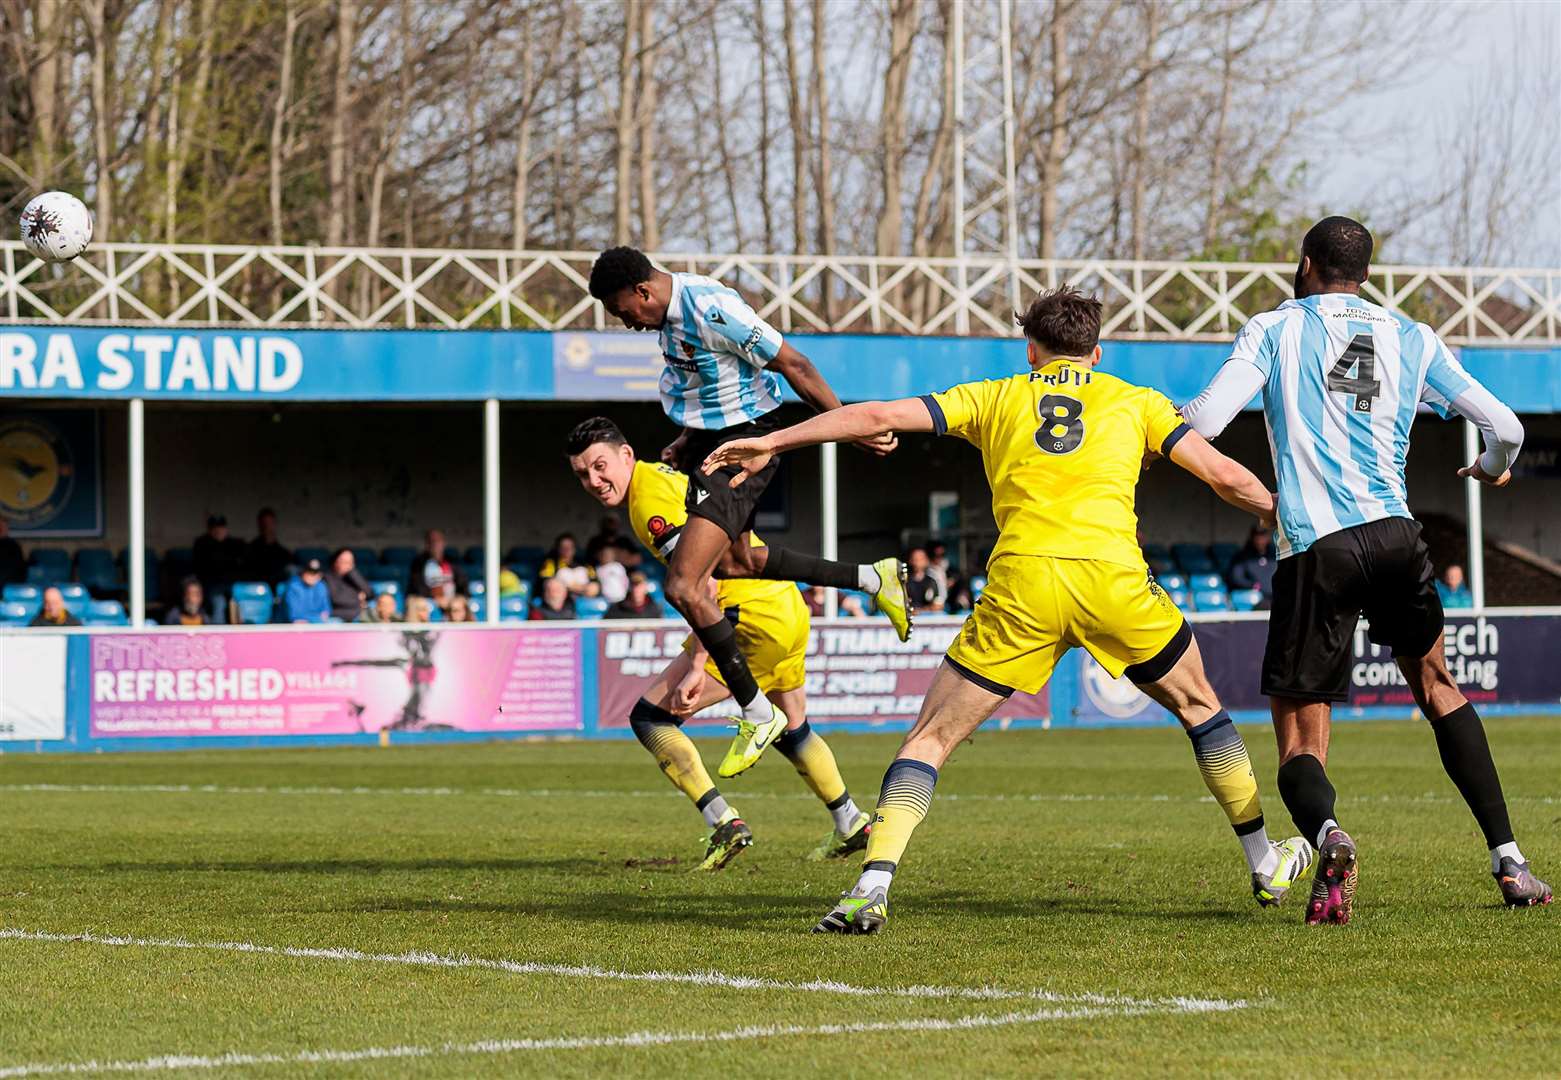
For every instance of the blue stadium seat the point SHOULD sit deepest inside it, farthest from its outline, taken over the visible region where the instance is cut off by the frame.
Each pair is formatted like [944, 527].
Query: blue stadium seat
[653, 586]
[105, 613]
[16, 613]
[1161, 566]
[475, 555]
[96, 570]
[1156, 551]
[24, 594]
[1211, 600]
[304, 554]
[977, 586]
[41, 575]
[1204, 582]
[514, 609]
[1245, 599]
[668, 611]
[56, 559]
[1171, 581]
[1192, 558]
[72, 590]
[1180, 597]
[523, 553]
[477, 588]
[253, 600]
[526, 571]
[524, 592]
[590, 607]
[435, 613]
[364, 556]
[1222, 554]
[479, 609]
[399, 557]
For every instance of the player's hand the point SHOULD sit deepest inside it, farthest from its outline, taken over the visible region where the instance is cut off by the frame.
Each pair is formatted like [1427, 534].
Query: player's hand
[674, 450]
[685, 698]
[749, 455]
[1150, 457]
[879, 445]
[1476, 472]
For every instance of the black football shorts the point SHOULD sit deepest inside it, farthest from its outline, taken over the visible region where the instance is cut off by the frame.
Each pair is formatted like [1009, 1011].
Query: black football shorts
[1381, 569]
[712, 497]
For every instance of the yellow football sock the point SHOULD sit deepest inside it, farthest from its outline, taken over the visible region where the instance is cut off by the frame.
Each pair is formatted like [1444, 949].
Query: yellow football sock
[675, 752]
[1222, 759]
[814, 761]
[903, 801]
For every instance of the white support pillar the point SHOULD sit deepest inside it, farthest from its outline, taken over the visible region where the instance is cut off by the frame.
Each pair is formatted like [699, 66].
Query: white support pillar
[137, 559]
[490, 508]
[829, 516]
[1474, 497]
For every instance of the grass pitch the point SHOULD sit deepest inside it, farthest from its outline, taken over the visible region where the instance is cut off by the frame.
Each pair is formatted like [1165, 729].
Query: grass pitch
[474, 910]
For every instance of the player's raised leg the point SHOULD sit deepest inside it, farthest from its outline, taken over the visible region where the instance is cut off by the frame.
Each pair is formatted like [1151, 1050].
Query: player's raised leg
[1466, 755]
[1175, 679]
[883, 580]
[814, 761]
[660, 730]
[958, 702]
[699, 549]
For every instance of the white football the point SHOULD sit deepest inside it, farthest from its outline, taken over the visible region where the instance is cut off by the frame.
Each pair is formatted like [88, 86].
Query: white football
[56, 226]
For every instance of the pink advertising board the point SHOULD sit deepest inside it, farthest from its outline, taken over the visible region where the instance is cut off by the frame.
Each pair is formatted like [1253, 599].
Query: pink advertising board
[323, 682]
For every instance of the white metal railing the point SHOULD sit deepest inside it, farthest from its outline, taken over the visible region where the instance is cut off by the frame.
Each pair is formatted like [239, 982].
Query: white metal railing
[403, 288]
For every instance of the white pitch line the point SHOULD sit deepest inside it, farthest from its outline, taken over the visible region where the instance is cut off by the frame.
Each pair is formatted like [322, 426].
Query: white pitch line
[591, 971]
[543, 793]
[638, 1039]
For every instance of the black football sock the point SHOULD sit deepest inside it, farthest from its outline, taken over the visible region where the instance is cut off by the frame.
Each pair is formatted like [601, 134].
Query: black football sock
[1307, 794]
[720, 641]
[784, 565]
[1460, 738]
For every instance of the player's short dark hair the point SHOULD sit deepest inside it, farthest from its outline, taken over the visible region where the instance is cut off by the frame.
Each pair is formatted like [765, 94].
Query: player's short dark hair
[617, 269]
[1340, 249]
[587, 433]
[1063, 321]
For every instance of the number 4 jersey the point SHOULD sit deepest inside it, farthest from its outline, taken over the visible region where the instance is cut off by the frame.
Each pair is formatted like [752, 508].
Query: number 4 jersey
[1341, 379]
[1063, 449]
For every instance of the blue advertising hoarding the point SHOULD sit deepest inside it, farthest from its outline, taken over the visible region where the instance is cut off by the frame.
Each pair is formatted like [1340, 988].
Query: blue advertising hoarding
[526, 365]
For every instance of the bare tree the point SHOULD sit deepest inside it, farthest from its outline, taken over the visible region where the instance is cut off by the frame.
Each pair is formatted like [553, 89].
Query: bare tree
[650, 233]
[339, 162]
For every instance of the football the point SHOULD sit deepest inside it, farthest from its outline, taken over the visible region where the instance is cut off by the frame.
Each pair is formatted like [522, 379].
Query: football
[56, 226]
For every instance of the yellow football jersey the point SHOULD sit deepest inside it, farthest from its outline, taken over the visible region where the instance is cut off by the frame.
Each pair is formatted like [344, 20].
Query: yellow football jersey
[1063, 448]
[657, 495]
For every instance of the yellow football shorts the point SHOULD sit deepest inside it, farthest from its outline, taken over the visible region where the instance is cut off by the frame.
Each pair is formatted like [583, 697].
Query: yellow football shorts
[772, 634]
[1035, 609]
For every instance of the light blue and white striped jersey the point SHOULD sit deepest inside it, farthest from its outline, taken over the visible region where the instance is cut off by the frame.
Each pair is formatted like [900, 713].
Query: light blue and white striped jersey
[716, 350]
[1341, 380]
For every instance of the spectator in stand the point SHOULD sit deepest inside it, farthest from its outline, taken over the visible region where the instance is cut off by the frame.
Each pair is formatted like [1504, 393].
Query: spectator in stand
[13, 564]
[350, 590]
[461, 610]
[1254, 565]
[307, 599]
[562, 563]
[191, 609]
[53, 612]
[814, 596]
[1451, 588]
[920, 588]
[939, 570]
[556, 603]
[609, 533]
[510, 584]
[434, 575]
[638, 604]
[419, 609]
[267, 560]
[611, 575]
[382, 610]
[218, 560]
[851, 606]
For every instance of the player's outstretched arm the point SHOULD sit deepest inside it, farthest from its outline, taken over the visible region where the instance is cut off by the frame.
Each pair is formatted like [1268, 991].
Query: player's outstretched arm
[1230, 480]
[849, 423]
[1502, 432]
[812, 388]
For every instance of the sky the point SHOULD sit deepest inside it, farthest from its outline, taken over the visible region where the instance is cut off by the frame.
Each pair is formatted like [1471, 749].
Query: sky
[1412, 112]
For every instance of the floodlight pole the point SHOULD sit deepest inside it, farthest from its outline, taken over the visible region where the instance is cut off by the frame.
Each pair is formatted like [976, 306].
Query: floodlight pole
[1474, 500]
[137, 559]
[490, 509]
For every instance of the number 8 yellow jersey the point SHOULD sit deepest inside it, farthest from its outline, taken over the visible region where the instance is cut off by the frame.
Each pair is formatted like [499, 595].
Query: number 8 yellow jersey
[1063, 449]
